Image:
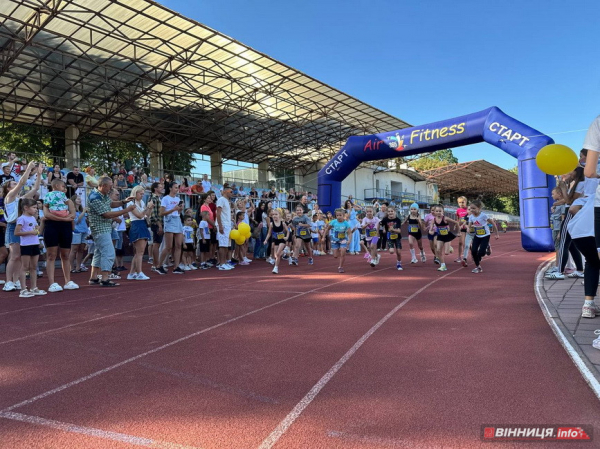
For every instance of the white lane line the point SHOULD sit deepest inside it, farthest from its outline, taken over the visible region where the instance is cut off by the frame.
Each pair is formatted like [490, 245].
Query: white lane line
[103, 317]
[587, 374]
[92, 432]
[167, 345]
[284, 425]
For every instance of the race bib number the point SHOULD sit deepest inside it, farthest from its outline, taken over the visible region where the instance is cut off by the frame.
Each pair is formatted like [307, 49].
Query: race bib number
[392, 236]
[278, 235]
[414, 229]
[443, 231]
[479, 230]
[341, 235]
[373, 233]
[303, 233]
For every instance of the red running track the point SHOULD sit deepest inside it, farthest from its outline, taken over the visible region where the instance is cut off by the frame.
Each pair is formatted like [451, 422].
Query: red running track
[309, 358]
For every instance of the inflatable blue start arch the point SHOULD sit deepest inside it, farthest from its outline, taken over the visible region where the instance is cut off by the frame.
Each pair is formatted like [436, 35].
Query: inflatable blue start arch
[491, 126]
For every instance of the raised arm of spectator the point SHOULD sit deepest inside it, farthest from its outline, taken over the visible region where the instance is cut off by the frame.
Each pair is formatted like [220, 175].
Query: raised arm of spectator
[12, 195]
[38, 180]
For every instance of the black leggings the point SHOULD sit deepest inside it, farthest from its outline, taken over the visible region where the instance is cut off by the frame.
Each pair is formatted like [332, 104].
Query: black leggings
[478, 247]
[565, 248]
[587, 246]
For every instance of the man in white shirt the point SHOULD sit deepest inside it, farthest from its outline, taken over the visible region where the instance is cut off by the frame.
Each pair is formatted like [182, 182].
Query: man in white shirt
[206, 185]
[224, 227]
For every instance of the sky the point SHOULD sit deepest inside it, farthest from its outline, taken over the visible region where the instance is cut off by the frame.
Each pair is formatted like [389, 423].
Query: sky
[424, 61]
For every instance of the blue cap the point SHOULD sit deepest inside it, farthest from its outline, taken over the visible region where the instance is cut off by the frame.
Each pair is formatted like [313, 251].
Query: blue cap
[415, 205]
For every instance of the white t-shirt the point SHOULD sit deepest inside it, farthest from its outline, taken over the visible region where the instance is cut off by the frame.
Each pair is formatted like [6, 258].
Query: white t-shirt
[140, 207]
[223, 203]
[169, 202]
[206, 185]
[592, 143]
[582, 224]
[480, 223]
[203, 232]
[119, 226]
[188, 234]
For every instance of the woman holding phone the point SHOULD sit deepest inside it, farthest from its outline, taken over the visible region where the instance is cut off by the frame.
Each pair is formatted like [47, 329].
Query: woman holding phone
[170, 209]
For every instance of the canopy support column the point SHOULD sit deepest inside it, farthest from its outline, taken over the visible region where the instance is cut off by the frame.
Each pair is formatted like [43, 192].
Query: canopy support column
[156, 159]
[72, 149]
[216, 168]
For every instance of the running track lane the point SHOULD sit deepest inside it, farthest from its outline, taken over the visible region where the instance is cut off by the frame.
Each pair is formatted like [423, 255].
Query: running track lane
[455, 356]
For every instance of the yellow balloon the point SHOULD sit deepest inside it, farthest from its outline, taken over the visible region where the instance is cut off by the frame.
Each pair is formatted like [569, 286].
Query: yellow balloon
[556, 159]
[244, 229]
[240, 240]
[234, 234]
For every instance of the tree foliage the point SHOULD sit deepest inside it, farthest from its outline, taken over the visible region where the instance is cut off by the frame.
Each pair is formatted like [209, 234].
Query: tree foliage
[436, 159]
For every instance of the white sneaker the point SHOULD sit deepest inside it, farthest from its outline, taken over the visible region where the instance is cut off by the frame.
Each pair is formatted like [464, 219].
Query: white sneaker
[423, 258]
[18, 285]
[71, 286]
[37, 292]
[1, 282]
[55, 288]
[275, 270]
[192, 267]
[181, 267]
[187, 268]
[225, 267]
[132, 276]
[142, 277]
[414, 260]
[26, 294]
[596, 342]
[9, 287]
[576, 274]
[271, 261]
[378, 259]
[247, 260]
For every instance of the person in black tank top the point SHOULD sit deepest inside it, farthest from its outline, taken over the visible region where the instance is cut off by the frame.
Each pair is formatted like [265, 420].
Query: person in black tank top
[440, 228]
[414, 233]
[279, 233]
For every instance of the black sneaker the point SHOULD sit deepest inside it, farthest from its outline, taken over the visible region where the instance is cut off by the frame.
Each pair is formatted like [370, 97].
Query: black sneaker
[488, 250]
[161, 270]
[178, 271]
[436, 260]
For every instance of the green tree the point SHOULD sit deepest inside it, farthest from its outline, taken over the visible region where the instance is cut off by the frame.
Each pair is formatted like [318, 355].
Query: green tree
[437, 159]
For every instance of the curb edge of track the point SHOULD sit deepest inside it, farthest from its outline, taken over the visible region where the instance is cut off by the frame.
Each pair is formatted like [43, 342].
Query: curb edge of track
[586, 368]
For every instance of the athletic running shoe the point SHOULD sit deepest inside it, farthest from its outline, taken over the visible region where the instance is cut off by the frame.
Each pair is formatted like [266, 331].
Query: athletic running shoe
[588, 312]
[443, 268]
[423, 258]
[290, 260]
[178, 271]
[83, 268]
[285, 257]
[477, 270]
[464, 263]
[378, 259]
[26, 294]
[142, 277]
[294, 261]
[187, 268]
[551, 270]
[458, 260]
[247, 260]
[555, 276]
[271, 261]
[1, 282]
[55, 288]
[451, 249]
[310, 261]
[596, 342]
[436, 260]
[340, 270]
[414, 260]
[488, 250]
[18, 285]
[597, 309]
[399, 266]
[132, 276]
[243, 263]
[37, 292]
[576, 274]
[367, 256]
[275, 270]
[71, 286]
[205, 266]
[224, 267]
[150, 260]
[9, 287]
[192, 267]
[160, 270]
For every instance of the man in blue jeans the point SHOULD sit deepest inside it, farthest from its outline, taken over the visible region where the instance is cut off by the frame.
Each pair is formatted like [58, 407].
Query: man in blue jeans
[100, 216]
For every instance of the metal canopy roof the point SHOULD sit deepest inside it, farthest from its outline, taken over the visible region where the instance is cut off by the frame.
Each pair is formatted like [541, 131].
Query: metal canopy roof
[134, 70]
[474, 178]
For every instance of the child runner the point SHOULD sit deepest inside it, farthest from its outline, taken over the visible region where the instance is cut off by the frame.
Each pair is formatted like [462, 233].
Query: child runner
[289, 244]
[371, 226]
[188, 243]
[279, 233]
[340, 236]
[362, 236]
[478, 221]
[557, 216]
[462, 214]
[414, 233]
[302, 227]
[392, 225]
[428, 219]
[28, 232]
[440, 227]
